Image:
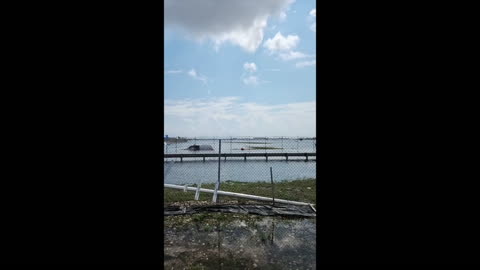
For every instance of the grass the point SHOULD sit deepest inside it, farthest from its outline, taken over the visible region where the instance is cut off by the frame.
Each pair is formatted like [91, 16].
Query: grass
[298, 190]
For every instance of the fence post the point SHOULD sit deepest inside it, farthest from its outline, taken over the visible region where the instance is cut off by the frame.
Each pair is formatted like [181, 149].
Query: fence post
[273, 187]
[217, 186]
[265, 145]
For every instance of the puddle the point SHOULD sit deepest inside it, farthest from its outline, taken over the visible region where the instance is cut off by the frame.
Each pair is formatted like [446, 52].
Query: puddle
[229, 241]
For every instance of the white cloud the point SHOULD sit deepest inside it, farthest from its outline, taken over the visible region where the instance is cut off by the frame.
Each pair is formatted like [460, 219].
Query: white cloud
[192, 73]
[313, 15]
[281, 43]
[229, 116]
[284, 47]
[251, 80]
[251, 67]
[240, 22]
[291, 55]
[173, 71]
[306, 63]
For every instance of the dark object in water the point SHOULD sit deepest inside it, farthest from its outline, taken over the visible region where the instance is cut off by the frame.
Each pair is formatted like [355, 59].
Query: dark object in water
[200, 147]
[242, 148]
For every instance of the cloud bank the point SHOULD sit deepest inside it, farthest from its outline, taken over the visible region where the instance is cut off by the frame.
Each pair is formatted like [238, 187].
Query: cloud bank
[229, 116]
[239, 22]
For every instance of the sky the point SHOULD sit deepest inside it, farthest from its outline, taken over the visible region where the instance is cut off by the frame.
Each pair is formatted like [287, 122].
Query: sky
[239, 68]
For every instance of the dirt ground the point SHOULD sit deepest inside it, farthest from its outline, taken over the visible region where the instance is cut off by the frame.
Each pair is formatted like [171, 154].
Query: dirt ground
[239, 241]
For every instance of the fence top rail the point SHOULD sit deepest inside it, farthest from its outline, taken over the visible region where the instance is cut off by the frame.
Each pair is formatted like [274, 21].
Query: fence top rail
[242, 155]
[241, 138]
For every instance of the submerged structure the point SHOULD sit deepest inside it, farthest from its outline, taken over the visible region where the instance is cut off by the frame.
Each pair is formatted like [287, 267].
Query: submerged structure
[204, 147]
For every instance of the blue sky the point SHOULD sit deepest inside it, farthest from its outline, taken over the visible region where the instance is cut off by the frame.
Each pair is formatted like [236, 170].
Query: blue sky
[240, 68]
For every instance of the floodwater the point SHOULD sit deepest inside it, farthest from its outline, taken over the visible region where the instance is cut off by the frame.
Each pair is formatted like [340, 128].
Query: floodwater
[192, 171]
[259, 242]
[249, 146]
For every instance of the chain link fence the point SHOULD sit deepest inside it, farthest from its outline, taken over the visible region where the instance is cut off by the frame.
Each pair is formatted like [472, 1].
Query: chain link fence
[199, 170]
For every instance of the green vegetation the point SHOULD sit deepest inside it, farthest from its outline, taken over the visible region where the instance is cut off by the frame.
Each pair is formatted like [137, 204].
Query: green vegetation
[303, 190]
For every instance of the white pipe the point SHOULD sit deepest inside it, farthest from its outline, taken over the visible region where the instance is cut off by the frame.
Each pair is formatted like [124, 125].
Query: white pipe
[197, 193]
[234, 194]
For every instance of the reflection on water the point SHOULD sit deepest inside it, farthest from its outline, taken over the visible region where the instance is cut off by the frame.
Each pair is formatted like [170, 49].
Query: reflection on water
[265, 243]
